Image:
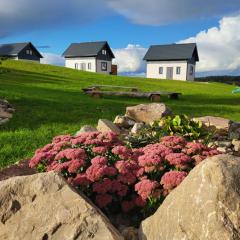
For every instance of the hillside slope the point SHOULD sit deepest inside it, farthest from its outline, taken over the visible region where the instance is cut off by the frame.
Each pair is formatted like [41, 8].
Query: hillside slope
[49, 101]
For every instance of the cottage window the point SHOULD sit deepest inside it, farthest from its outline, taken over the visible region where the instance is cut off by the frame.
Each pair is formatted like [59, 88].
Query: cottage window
[29, 52]
[89, 66]
[76, 65]
[104, 66]
[104, 52]
[191, 70]
[178, 70]
[161, 70]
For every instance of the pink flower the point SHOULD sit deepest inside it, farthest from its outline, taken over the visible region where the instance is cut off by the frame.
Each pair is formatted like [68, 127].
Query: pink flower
[145, 188]
[172, 179]
[81, 180]
[103, 200]
[150, 160]
[75, 165]
[174, 142]
[140, 202]
[71, 154]
[100, 150]
[122, 151]
[128, 178]
[180, 160]
[95, 172]
[102, 187]
[120, 188]
[99, 160]
[62, 138]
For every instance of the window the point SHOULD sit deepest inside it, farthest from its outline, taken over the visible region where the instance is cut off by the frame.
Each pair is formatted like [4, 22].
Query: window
[89, 66]
[104, 66]
[191, 70]
[83, 66]
[76, 65]
[104, 52]
[178, 70]
[29, 52]
[161, 70]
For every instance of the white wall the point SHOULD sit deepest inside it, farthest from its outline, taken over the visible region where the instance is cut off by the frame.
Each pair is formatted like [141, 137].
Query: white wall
[99, 66]
[70, 63]
[153, 70]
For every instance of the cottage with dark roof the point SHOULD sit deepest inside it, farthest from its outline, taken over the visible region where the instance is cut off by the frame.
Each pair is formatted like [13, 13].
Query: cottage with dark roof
[89, 56]
[174, 61]
[20, 51]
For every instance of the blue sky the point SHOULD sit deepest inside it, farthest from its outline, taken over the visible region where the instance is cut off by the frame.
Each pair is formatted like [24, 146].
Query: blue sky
[130, 26]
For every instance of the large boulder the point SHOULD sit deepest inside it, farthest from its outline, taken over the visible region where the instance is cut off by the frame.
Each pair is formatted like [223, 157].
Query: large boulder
[234, 130]
[206, 205]
[105, 125]
[86, 129]
[148, 113]
[44, 206]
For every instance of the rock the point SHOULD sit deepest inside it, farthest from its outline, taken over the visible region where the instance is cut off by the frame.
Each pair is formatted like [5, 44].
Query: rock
[130, 233]
[148, 113]
[206, 205]
[4, 120]
[234, 130]
[215, 123]
[124, 121]
[105, 125]
[137, 127]
[86, 128]
[10, 110]
[236, 144]
[225, 144]
[44, 206]
[5, 114]
[222, 149]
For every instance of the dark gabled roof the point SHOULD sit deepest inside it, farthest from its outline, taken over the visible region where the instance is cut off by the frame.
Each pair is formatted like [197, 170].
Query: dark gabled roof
[86, 49]
[13, 49]
[172, 52]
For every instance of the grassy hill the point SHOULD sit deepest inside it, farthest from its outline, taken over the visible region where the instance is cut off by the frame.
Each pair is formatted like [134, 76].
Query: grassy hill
[49, 101]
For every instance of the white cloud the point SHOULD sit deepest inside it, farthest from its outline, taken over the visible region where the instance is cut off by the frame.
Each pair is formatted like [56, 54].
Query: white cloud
[52, 59]
[18, 16]
[129, 59]
[219, 47]
[158, 12]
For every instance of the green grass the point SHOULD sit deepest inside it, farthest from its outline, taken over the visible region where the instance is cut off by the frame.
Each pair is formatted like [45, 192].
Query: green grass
[49, 101]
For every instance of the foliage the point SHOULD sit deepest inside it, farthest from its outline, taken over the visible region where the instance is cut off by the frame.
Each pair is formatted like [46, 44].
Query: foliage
[170, 125]
[49, 102]
[117, 178]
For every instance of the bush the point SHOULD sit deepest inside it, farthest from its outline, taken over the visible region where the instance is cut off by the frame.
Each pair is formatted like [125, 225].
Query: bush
[117, 178]
[171, 125]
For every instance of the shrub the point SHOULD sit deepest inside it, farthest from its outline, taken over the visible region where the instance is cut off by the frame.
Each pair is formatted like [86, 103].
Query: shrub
[118, 178]
[171, 125]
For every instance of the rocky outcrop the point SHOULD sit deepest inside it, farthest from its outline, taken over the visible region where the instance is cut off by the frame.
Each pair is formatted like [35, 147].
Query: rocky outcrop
[148, 113]
[44, 206]
[206, 206]
[105, 125]
[124, 122]
[6, 111]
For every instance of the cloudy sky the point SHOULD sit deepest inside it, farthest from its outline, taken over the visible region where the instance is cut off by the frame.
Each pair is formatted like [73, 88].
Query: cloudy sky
[129, 26]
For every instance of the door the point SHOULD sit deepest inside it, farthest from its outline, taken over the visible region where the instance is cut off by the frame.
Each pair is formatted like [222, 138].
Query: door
[169, 73]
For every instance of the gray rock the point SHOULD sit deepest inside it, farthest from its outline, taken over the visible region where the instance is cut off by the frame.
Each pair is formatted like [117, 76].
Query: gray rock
[105, 125]
[44, 206]
[86, 128]
[4, 120]
[137, 128]
[222, 149]
[148, 113]
[206, 205]
[225, 144]
[124, 121]
[234, 130]
[217, 122]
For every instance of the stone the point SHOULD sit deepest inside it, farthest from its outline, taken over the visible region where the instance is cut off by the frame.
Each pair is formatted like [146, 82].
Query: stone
[225, 144]
[148, 113]
[205, 206]
[130, 233]
[44, 206]
[216, 122]
[234, 130]
[137, 128]
[105, 125]
[86, 128]
[5, 114]
[124, 121]
[4, 120]
[236, 144]
[222, 149]
[10, 110]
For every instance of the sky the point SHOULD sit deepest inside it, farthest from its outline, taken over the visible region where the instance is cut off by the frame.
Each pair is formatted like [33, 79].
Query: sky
[130, 27]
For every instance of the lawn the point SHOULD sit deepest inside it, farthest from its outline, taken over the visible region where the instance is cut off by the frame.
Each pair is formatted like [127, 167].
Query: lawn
[49, 101]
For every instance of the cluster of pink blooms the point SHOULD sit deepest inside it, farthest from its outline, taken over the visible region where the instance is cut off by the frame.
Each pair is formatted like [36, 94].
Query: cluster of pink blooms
[110, 173]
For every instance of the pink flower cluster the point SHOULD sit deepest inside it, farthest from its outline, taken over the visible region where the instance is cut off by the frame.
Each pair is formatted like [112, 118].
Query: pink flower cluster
[112, 174]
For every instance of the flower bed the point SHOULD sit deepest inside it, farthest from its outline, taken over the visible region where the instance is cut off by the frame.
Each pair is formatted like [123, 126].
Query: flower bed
[117, 178]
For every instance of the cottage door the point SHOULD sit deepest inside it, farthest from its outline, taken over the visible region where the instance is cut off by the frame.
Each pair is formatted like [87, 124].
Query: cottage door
[169, 73]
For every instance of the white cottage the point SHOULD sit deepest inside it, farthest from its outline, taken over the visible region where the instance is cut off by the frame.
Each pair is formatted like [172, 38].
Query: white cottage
[89, 56]
[174, 61]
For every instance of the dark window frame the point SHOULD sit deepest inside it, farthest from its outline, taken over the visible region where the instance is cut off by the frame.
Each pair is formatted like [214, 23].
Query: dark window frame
[104, 66]
[178, 70]
[160, 70]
